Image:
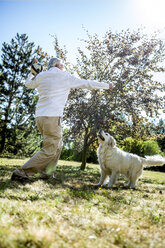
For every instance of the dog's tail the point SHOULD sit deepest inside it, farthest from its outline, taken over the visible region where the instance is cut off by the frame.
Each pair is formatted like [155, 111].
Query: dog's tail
[156, 160]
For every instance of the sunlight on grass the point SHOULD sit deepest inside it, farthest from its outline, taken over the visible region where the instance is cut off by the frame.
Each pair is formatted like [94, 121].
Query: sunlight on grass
[70, 212]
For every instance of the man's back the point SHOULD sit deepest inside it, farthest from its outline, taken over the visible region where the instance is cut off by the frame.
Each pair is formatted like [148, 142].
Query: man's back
[53, 88]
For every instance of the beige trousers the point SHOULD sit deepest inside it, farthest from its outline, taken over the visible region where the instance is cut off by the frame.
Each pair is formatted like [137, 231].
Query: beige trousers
[45, 160]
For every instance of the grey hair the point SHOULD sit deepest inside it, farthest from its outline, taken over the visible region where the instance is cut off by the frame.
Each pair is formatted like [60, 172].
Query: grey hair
[53, 62]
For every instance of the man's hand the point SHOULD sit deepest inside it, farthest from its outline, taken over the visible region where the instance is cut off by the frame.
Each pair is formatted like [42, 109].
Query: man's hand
[111, 86]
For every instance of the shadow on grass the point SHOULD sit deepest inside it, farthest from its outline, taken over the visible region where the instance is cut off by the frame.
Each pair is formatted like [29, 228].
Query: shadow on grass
[79, 184]
[65, 176]
[152, 181]
[5, 169]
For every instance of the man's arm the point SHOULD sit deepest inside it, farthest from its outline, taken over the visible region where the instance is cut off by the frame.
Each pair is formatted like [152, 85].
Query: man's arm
[31, 81]
[87, 84]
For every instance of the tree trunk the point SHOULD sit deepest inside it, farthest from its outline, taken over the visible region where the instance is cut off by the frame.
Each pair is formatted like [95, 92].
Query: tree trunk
[84, 155]
[4, 129]
[3, 138]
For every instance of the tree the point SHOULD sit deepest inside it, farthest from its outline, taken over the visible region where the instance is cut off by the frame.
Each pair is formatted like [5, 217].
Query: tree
[129, 60]
[158, 131]
[17, 103]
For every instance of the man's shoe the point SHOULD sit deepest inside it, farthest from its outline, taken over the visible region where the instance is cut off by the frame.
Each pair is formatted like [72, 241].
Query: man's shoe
[16, 177]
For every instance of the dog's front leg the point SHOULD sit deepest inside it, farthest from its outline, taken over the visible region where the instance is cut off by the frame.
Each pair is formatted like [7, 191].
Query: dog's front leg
[112, 179]
[102, 178]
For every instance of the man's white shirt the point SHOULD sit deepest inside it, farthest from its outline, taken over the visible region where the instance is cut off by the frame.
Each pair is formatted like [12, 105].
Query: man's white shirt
[54, 87]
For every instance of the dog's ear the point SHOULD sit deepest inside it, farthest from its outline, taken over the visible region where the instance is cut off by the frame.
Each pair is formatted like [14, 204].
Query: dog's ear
[112, 142]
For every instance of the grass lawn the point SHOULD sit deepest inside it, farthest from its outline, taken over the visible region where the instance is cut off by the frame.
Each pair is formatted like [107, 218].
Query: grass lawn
[70, 212]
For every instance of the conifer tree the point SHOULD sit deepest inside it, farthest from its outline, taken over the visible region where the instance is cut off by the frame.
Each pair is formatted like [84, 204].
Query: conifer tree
[17, 103]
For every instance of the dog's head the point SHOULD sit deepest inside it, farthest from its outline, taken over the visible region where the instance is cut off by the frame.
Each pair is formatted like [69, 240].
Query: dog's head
[106, 138]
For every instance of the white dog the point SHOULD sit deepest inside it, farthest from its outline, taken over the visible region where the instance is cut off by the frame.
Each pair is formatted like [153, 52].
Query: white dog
[113, 162]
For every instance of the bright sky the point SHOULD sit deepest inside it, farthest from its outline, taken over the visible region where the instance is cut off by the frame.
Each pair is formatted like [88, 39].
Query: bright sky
[39, 19]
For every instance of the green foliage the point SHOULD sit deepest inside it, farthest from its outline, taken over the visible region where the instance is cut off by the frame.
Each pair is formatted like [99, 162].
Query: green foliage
[161, 142]
[151, 147]
[141, 148]
[128, 60]
[67, 154]
[17, 103]
[133, 146]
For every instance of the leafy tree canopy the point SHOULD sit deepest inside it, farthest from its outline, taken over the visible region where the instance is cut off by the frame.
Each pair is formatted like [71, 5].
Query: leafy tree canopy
[128, 60]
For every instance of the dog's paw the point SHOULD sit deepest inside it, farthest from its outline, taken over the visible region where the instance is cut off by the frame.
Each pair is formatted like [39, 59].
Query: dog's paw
[97, 185]
[105, 185]
[126, 185]
[132, 187]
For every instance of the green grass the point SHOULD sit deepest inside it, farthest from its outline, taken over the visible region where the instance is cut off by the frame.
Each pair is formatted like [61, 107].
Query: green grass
[70, 212]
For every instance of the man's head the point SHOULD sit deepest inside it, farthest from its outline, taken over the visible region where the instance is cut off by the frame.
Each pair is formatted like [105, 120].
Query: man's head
[55, 62]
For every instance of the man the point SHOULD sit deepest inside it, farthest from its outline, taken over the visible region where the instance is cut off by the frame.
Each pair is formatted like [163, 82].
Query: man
[53, 87]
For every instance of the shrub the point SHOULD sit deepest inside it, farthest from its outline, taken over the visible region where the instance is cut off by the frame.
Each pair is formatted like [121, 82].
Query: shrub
[141, 148]
[151, 147]
[133, 145]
